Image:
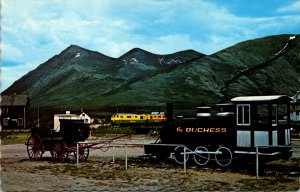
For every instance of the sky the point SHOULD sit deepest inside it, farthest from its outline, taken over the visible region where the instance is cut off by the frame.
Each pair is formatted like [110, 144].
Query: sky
[33, 31]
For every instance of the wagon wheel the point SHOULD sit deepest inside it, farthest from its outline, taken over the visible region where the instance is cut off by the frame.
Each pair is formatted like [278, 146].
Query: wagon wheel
[225, 156]
[35, 149]
[59, 151]
[201, 156]
[179, 156]
[84, 152]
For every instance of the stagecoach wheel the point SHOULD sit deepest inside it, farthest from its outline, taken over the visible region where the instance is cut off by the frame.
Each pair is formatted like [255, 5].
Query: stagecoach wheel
[59, 152]
[34, 148]
[179, 156]
[84, 152]
[201, 156]
[223, 156]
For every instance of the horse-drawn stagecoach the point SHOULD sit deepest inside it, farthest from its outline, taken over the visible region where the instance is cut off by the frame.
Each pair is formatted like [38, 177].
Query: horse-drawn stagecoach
[60, 143]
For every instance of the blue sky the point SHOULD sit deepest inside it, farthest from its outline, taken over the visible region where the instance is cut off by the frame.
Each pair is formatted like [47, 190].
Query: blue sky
[33, 31]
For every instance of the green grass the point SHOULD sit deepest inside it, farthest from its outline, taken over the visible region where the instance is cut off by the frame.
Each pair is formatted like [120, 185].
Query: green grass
[9, 137]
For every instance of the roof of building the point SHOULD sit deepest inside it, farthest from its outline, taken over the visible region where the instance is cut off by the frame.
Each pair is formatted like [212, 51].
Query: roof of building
[14, 100]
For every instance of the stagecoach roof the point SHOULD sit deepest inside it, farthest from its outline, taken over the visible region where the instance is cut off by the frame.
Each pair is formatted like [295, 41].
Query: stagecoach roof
[261, 98]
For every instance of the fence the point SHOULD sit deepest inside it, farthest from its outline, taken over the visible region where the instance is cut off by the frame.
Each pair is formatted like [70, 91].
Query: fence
[113, 144]
[257, 154]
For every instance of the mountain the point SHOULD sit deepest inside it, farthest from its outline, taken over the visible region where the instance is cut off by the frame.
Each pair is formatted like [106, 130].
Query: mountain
[78, 75]
[264, 66]
[140, 80]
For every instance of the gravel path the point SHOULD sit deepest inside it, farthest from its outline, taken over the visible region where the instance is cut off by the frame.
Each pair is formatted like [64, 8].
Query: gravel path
[100, 173]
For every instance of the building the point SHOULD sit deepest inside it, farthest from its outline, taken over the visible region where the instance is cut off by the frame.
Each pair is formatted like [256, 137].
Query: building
[14, 111]
[68, 115]
[295, 109]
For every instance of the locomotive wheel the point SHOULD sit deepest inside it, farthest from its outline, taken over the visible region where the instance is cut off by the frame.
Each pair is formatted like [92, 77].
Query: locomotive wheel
[179, 156]
[225, 158]
[83, 152]
[59, 152]
[201, 156]
[34, 148]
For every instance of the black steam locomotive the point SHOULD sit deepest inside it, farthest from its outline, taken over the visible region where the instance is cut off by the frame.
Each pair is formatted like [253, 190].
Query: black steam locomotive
[234, 131]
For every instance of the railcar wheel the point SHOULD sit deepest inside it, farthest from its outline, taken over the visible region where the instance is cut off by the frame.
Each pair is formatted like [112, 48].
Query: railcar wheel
[225, 157]
[179, 156]
[34, 148]
[84, 152]
[201, 156]
[59, 151]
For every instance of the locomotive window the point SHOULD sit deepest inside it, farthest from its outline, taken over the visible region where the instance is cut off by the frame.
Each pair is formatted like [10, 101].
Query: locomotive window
[243, 114]
[282, 114]
[262, 115]
[274, 115]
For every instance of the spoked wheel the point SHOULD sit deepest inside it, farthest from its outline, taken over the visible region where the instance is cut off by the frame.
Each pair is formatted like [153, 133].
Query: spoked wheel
[201, 156]
[35, 149]
[84, 152]
[224, 157]
[59, 151]
[179, 156]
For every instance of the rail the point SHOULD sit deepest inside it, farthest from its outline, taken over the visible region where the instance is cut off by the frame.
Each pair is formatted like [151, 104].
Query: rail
[125, 144]
[185, 152]
[257, 153]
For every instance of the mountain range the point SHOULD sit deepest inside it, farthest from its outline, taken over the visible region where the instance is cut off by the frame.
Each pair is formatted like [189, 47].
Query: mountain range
[139, 80]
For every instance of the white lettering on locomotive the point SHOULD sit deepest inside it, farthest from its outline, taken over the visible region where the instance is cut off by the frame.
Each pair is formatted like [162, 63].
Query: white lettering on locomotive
[202, 130]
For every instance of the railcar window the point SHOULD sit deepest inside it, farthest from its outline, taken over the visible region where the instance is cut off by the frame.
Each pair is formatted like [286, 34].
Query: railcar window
[141, 117]
[128, 116]
[243, 114]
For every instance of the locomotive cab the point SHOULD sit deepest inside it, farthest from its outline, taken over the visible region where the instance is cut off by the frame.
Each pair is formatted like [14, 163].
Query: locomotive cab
[263, 121]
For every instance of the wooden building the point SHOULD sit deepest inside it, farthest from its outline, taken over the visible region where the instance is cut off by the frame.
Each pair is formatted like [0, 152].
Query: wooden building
[14, 111]
[295, 110]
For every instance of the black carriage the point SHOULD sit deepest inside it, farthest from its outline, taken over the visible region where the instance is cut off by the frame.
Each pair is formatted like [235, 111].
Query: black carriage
[60, 143]
[236, 130]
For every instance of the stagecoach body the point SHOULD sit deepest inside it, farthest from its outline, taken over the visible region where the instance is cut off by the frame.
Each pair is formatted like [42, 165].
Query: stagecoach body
[59, 143]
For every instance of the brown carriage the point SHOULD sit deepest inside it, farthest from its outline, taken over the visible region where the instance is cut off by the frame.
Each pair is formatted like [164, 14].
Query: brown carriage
[60, 144]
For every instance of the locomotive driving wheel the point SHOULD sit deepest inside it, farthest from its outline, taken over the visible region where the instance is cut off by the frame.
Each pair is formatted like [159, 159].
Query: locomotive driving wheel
[84, 152]
[59, 151]
[35, 148]
[179, 156]
[223, 156]
[201, 155]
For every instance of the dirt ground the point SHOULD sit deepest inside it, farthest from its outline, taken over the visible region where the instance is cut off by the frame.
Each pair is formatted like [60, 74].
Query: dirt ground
[101, 173]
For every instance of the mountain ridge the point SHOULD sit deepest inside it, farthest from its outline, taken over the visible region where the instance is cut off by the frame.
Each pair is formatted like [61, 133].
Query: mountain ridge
[80, 78]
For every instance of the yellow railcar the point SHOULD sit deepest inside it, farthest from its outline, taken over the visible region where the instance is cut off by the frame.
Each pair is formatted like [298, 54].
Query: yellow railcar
[132, 119]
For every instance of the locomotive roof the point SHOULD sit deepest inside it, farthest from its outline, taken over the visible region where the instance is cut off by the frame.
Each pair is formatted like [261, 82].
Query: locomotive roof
[261, 98]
